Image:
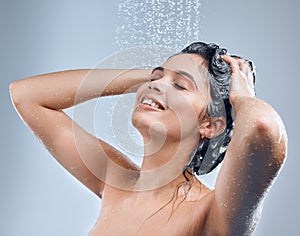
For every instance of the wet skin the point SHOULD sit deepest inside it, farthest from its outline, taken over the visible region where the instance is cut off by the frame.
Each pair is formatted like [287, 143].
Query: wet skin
[140, 201]
[197, 210]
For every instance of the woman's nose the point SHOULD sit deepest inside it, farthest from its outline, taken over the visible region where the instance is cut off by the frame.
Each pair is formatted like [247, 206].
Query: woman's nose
[155, 86]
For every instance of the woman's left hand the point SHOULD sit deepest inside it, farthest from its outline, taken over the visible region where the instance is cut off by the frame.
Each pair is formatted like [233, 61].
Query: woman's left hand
[242, 79]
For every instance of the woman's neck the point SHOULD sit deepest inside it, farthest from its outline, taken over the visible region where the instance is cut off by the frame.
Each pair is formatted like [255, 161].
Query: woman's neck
[162, 165]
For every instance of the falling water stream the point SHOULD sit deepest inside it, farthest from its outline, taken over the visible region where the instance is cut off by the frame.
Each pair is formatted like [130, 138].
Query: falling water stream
[158, 22]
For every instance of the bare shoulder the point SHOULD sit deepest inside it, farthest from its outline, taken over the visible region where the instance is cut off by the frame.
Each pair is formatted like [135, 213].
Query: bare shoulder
[199, 215]
[206, 214]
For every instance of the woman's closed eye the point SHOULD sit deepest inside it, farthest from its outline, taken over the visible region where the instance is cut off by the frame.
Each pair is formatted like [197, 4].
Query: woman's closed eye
[182, 83]
[179, 86]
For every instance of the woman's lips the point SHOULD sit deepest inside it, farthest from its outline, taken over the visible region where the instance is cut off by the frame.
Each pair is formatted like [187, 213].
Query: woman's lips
[148, 107]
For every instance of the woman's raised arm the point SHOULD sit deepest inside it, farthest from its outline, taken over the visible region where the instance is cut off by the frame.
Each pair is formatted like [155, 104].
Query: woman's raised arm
[39, 100]
[254, 157]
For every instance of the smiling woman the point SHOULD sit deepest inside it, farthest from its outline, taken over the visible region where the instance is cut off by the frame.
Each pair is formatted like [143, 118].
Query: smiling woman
[183, 111]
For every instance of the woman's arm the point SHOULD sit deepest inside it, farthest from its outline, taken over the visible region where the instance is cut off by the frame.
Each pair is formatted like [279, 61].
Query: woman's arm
[39, 100]
[254, 157]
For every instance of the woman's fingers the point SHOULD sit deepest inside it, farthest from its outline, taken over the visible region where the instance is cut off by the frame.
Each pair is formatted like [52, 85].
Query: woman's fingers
[243, 66]
[232, 62]
[240, 66]
[237, 64]
[241, 79]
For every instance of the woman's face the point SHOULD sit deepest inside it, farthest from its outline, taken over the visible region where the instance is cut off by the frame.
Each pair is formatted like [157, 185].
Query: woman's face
[172, 102]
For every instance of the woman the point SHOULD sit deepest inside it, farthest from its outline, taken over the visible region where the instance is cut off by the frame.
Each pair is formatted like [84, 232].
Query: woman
[183, 112]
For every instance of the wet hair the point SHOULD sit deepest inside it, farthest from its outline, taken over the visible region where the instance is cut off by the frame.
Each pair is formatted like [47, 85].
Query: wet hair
[210, 152]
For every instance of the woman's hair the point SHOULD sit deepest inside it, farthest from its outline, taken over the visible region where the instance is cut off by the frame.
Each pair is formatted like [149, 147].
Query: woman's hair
[210, 152]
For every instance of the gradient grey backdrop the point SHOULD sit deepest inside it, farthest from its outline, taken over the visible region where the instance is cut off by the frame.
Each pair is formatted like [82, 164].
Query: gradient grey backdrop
[38, 197]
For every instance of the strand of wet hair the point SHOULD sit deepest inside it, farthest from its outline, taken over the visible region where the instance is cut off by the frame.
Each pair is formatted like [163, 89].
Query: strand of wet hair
[187, 182]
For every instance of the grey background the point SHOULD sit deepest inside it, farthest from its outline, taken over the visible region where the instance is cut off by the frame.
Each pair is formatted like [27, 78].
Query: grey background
[38, 197]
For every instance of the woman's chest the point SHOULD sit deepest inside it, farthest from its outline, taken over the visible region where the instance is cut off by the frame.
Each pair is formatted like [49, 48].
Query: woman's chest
[150, 218]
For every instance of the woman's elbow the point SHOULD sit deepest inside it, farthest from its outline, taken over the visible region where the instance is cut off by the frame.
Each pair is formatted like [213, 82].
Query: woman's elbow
[15, 91]
[272, 137]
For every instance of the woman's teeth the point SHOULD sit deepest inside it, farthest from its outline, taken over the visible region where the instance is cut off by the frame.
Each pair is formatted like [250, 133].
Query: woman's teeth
[150, 102]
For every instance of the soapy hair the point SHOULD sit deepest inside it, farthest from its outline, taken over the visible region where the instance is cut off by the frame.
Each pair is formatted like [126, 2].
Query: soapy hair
[210, 152]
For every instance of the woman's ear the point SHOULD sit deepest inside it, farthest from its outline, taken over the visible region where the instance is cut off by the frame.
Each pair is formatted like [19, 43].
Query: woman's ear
[212, 127]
